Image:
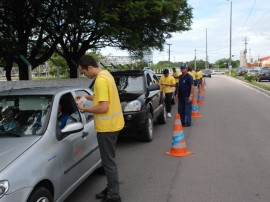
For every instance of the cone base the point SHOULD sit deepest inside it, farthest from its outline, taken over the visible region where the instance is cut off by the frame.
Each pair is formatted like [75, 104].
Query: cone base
[196, 116]
[179, 155]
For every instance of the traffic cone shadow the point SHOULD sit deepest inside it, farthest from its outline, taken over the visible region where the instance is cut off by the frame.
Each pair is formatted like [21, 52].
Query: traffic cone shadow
[178, 147]
[195, 108]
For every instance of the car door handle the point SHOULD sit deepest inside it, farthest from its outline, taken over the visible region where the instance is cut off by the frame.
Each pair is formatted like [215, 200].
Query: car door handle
[84, 134]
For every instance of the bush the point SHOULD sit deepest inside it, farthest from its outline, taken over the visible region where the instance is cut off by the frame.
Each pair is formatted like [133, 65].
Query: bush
[250, 78]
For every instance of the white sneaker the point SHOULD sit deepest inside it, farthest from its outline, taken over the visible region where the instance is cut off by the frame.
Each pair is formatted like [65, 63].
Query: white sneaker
[169, 115]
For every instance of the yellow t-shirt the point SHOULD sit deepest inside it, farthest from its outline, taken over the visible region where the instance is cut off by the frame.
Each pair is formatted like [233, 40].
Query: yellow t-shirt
[166, 80]
[176, 76]
[192, 73]
[105, 90]
[199, 75]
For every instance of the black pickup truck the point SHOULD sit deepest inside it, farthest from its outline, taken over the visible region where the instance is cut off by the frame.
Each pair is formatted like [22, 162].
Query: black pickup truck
[141, 100]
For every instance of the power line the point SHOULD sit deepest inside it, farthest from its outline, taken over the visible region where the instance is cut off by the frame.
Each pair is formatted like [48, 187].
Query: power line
[246, 19]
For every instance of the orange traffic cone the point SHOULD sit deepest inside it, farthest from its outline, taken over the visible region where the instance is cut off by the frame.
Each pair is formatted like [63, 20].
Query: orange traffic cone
[204, 81]
[178, 140]
[202, 85]
[195, 108]
[200, 97]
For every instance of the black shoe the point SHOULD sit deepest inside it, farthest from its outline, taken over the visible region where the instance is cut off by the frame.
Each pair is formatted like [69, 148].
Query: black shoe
[102, 194]
[111, 200]
[186, 125]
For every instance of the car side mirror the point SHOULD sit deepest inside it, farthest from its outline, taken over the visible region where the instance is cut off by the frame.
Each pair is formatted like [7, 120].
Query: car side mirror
[72, 128]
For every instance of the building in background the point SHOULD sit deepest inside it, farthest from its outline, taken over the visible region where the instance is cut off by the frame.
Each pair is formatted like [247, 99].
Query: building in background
[243, 58]
[262, 62]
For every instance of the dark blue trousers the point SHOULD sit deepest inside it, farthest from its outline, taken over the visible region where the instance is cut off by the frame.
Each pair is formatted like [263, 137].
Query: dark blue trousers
[185, 109]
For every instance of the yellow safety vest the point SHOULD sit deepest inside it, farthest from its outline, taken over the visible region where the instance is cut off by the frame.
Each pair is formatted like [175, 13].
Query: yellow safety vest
[112, 120]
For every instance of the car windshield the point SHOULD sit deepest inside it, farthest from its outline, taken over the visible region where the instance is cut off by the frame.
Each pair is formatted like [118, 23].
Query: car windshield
[129, 83]
[23, 115]
[266, 71]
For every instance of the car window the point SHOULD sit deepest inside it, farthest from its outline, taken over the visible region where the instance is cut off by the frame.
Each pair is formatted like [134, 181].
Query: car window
[88, 103]
[266, 71]
[24, 115]
[67, 111]
[154, 78]
[129, 83]
[149, 80]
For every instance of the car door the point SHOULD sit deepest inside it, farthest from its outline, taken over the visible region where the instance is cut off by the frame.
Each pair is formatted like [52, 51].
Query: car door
[75, 152]
[92, 154]
[154, 95]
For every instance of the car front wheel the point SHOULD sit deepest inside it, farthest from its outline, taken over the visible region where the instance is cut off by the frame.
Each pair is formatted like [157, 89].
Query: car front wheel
[162, 118]
[40, 194]
[147, 132]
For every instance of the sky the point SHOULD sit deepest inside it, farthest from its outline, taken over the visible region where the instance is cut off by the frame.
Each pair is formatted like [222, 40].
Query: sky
[250, 20]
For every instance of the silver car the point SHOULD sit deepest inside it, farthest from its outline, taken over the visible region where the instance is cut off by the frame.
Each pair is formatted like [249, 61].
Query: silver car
[47, 146]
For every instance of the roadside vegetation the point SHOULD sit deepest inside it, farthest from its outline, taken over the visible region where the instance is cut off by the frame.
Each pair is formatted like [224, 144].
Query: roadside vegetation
[250, 79]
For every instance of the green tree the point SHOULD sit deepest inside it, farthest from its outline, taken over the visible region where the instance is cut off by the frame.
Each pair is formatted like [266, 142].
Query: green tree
[224, 63]
[135, 26]
[22, 33]
[35, 28]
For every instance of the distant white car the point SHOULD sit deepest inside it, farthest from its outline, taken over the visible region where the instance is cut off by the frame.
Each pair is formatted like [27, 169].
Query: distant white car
[217, 72]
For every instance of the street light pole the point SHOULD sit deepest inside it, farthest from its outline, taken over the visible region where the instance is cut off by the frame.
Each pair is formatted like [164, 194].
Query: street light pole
[169, 44]
[230, 61]
[206, 56]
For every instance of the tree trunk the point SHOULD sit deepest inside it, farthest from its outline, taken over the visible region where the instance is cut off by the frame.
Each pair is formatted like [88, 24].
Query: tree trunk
[8, 69]
[23, 70]
[72, 69]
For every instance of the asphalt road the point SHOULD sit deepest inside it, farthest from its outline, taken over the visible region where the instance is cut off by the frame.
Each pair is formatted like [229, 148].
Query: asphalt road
[231, 160]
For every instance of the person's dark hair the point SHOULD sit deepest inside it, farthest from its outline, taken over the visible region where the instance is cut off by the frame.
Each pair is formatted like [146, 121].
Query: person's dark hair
[86, 61]
[165, 71]
[173, 68]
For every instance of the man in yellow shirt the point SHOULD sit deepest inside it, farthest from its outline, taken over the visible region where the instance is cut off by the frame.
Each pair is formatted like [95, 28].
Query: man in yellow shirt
[175, 76]
[192, 73]
[108, 119]
[199, 76]
[166, 83]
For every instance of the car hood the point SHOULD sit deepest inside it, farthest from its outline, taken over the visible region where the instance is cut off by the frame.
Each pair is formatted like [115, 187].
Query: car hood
[127, 97]
[12, 148]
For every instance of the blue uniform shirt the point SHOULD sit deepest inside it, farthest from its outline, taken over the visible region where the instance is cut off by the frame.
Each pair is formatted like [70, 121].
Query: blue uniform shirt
[184, 85]
[63, 121]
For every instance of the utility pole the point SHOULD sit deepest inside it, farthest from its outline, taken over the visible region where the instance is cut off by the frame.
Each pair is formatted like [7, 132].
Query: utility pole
[245, 52]
[246, 44]
[195, 67]
[169, 44]
[206, 59]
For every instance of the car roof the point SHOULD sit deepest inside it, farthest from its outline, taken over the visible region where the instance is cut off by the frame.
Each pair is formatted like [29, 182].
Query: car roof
[38, 90]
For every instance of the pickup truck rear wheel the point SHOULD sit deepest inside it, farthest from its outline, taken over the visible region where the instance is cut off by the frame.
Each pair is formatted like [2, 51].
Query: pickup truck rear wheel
[147, 132]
